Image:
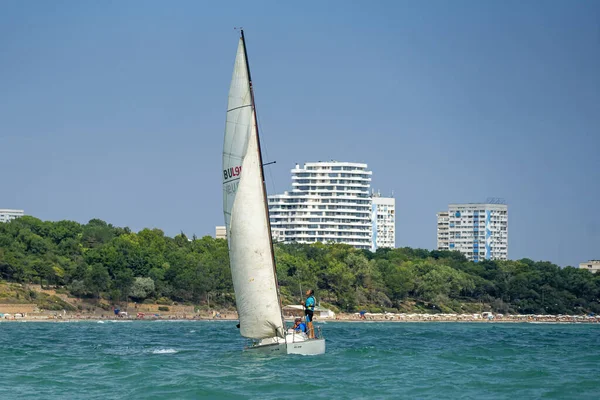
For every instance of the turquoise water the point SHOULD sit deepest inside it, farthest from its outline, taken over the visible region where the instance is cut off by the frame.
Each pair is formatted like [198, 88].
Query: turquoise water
[203, 359]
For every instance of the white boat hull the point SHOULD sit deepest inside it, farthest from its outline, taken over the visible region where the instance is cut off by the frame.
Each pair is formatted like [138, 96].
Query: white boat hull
[307, 347]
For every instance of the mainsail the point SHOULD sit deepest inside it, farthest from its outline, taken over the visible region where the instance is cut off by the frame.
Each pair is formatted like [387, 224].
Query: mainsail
[246, 219]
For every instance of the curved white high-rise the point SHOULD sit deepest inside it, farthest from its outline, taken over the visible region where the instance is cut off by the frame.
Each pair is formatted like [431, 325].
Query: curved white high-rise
[329, 202]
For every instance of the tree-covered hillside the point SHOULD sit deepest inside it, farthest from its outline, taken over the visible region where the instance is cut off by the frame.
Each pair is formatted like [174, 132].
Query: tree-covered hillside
[98, 260]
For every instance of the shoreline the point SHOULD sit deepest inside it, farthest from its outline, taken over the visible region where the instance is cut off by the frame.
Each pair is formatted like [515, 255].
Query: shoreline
[353, 318]
[319, 322]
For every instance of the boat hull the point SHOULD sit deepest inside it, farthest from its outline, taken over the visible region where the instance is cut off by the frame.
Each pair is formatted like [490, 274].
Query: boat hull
[307, 347]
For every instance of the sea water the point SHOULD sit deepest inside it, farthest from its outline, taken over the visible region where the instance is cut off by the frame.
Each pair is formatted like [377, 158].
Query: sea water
[364, 360]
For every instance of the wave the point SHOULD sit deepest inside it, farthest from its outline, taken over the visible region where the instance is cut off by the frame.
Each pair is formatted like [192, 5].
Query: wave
[164, 351]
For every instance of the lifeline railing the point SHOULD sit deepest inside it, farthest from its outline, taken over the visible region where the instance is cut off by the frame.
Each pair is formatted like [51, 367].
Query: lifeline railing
[319, 333]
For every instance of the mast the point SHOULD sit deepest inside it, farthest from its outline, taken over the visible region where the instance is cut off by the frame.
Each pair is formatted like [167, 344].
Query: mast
[262, 175]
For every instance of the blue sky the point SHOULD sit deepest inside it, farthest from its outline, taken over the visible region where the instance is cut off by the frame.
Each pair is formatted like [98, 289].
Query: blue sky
[116, 110]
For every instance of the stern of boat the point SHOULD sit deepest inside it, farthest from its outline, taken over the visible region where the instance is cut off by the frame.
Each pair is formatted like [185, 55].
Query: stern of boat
[309, 347]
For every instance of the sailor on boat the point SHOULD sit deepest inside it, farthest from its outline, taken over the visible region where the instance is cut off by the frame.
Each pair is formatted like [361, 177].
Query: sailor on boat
[309, 310]
[299, 326]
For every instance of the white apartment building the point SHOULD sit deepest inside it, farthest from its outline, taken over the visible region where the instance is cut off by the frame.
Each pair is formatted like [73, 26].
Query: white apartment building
[7, 214]
[442, 230]
[592, 265]
[220, 232]
[383, 221]
[478, 230]
[329, 202]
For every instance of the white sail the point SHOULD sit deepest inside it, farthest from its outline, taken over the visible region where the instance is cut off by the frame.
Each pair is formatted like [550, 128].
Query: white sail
[250, 256]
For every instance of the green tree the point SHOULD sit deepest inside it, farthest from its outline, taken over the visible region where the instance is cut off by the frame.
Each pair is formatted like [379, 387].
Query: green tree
[142, 288]
[97, 279]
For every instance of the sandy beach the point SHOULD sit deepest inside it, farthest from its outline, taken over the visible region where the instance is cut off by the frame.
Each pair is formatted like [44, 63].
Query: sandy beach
[51, 316]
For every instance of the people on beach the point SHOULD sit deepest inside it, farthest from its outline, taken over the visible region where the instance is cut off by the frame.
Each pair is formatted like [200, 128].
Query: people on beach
[309, 309]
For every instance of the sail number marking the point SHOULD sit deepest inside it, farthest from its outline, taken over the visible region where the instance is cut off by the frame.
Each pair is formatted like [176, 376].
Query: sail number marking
[232, 172]
[231, 179]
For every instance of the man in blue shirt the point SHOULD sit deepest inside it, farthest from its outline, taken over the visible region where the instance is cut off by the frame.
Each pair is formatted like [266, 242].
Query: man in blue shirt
[309, 309]
[299, 326]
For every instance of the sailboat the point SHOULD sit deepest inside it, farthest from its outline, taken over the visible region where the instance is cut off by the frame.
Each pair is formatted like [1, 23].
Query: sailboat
[251, 256]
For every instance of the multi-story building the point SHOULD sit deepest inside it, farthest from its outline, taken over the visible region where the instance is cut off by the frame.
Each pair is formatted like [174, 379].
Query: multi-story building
[478, 230]
[592, 265]
[383, 221]
[220, 232]
[329, 202]
[442, 230]
[7, 214]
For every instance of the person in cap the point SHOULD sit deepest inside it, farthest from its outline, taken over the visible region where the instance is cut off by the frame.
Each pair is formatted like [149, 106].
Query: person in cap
[299, 326]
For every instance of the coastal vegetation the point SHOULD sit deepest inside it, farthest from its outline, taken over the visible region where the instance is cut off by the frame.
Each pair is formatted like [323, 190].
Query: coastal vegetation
[103, 263]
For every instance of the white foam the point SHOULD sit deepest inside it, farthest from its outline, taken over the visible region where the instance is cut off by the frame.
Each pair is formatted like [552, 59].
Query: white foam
[164, 351]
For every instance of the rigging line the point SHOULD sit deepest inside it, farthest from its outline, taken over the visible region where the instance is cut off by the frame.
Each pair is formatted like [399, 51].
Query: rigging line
[264, 144]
